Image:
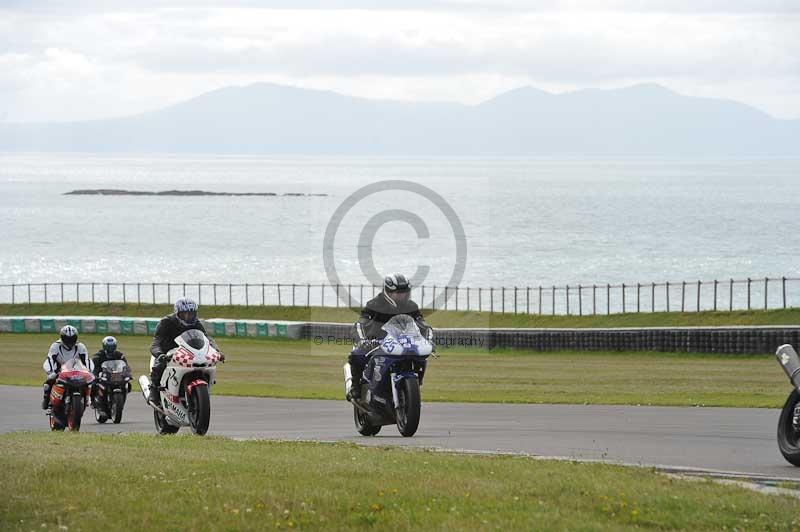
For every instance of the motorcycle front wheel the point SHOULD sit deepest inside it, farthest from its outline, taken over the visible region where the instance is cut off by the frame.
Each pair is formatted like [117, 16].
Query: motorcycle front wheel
[117, 405]
[75, 414]
[408, 408]
[200, 410]
[788, 432]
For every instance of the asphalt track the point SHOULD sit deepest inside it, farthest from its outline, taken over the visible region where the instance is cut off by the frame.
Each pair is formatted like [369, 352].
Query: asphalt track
[738, 440]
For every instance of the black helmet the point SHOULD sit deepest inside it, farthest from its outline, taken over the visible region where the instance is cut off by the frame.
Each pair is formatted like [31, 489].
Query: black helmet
[109, 344]
[396, 287]
[69, 336]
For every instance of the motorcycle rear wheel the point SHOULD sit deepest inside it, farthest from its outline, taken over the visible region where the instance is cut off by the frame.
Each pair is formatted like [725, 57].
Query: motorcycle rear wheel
[162, 427]
[200, 410]
[363, 426]
[788, 436]
[408, 410]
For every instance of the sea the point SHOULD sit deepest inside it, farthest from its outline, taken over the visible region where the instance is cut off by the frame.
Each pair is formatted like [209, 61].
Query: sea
[468, 222]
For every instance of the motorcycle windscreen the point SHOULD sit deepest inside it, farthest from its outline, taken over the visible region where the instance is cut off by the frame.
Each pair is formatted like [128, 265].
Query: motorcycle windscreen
[194, 339]
[114, 366]
[74, 364]
[75, 373]
[404, 329]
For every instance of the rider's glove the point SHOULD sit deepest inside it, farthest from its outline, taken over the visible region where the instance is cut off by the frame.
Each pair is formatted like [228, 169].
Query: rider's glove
[222, 358]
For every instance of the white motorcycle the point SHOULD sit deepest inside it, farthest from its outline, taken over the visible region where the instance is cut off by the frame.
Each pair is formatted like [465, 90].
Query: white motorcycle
[185, 385]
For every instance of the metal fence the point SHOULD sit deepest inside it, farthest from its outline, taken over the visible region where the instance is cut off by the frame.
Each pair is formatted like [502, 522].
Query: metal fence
[578, 299]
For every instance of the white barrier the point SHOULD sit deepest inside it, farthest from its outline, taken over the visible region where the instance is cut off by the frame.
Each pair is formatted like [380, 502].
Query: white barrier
[147, 326]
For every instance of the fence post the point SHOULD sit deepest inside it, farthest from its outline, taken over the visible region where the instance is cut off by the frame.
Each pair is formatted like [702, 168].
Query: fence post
[215, 294]
[29, 293]
[638, 299]
[784, 291]
[580, 300]
[77, 293]
[246, 294]
[138, 294]
[263, 295]
[623, 298]
[361, 296]
[169, 292]
[153, 290]
[230, 294]
[480, 297]
[445, 296]
[14, 294]
[279, 295]
[456, 297]
[322, 294]
[730, 296]
[491, 299]
[422, 298]
[553, 310]
[698, 296]
[527, 300]
[92, 293]
[608, 298]
[183, 290]
[748, 293]
[292, 294]
[308, 295]
[683, 296]
[515, 300]
[468, 290]
[433, 300]
[652, 297]
[715, 295]
[503, 305]
[667, 292]
[540, 300]
[199, 293]
[766, 286]
[594, 299]
[62, 292]
[567, 299]
[124, 295]
[45, 292]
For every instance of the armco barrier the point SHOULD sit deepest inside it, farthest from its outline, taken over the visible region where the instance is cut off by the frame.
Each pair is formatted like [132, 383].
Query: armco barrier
[147, 326]
[734, 340]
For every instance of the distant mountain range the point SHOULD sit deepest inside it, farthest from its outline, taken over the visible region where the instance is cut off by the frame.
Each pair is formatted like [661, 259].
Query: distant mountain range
[641, 120]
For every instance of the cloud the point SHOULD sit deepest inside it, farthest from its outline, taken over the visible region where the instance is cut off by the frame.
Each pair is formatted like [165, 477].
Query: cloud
[134, 59]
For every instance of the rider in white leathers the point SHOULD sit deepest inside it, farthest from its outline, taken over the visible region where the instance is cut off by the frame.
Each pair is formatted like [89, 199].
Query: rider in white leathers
[67, 348]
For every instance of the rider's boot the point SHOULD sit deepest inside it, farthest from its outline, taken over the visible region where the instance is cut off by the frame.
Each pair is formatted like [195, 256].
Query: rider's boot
[355, 391]
[46, 396]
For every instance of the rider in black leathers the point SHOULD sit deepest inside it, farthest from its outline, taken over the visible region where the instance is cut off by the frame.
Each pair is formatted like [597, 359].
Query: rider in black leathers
[107, 352]
[394, 300]
[170, 327]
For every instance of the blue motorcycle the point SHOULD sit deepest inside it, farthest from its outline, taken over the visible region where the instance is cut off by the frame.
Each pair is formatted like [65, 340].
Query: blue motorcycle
[390, 390]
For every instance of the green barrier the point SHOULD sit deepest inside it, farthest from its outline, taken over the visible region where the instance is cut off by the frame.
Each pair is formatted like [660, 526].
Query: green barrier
[282, 329]
[262, 329]
[219, 329]
[151, 326]
[18, 326]
[78, 324]
[126, 326]
[241, 328]
[47, 325]
[101, 326]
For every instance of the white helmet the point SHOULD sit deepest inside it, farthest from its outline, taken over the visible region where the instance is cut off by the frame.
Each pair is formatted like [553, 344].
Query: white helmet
[186, 311]
[69, 336]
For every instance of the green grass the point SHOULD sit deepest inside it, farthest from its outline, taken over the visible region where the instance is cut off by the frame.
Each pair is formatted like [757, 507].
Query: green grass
[299, 369]
[437, 319]
[190, 483]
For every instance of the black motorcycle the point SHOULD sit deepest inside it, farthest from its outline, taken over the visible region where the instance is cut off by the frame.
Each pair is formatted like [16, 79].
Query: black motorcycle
[789, 421]
[390, 393]
[111, 390]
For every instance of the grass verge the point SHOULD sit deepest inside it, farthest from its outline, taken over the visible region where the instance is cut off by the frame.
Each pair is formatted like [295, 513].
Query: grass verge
[189, 483]
[440, 318]
[299, 369]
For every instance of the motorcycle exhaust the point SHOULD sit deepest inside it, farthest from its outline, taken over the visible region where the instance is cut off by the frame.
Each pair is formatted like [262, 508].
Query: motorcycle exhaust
[790, 363]
[348, 378]
[144, 384]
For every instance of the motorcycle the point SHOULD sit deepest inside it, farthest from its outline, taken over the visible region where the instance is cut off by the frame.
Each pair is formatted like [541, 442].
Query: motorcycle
[185, 385]
[111, 391]
[391, 381]
[789, 420]
[69, 396]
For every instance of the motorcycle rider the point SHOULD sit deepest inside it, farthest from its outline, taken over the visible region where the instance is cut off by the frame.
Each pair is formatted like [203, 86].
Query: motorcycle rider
[395, 299]
[67, 348]
[108, 351]
[170, 327]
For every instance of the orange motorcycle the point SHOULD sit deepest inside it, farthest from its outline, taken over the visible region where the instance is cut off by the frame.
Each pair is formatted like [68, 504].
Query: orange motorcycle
[69, 396]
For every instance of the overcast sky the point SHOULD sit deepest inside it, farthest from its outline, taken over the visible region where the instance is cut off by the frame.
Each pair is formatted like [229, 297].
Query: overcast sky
[60, 62]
